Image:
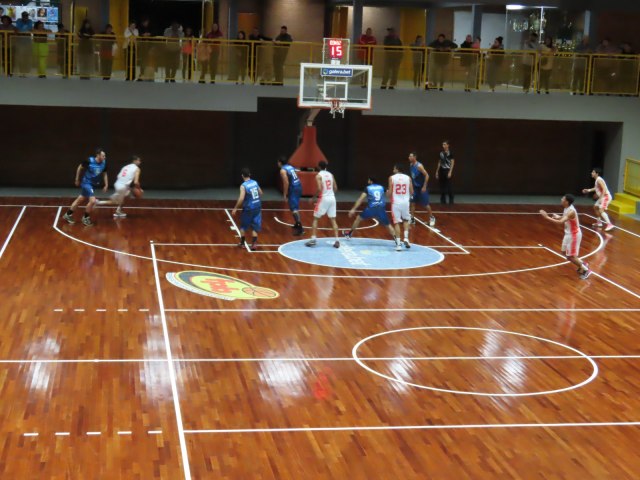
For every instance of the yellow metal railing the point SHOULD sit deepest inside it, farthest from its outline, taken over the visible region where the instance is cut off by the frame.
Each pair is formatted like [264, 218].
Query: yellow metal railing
[277, 63]
[632, 177]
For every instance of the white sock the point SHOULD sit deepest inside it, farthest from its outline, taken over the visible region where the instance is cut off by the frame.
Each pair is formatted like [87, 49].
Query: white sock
[605, 217]
[406, 236]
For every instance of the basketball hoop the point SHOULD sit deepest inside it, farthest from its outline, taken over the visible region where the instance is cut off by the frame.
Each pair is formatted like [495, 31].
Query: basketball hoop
[336, 107]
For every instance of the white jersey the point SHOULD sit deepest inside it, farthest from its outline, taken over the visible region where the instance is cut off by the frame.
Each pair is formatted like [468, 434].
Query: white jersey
[601, 188]
[400, 188]
[572, 226]
[127, 174]
[328, 182]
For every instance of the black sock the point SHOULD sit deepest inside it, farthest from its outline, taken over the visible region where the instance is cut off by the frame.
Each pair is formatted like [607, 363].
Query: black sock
[86, 215]
[296, 217]
[70, 212]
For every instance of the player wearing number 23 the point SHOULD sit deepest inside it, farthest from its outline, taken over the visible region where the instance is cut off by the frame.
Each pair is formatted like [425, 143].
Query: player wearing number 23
[251, 217]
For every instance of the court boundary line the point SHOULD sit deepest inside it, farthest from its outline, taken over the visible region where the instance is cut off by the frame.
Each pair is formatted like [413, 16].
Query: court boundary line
[236, 229]
[615, 226]
[172, 373]
[416, 309]
[10, 235]
[312, 275]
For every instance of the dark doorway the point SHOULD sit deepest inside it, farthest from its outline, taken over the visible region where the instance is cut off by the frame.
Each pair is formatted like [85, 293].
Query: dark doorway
[161, 13]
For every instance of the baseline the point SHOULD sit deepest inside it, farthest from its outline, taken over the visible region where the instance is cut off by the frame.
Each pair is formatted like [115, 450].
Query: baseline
[15, 225]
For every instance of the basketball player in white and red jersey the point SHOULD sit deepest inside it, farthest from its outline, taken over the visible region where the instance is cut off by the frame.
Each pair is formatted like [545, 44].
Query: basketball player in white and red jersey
[400, 193]
[326, 204]
[604, 198]
[129, 175]
[572, 234]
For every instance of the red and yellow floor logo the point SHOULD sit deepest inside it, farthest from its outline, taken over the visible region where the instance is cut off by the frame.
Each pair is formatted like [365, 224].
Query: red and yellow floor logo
[219, 286]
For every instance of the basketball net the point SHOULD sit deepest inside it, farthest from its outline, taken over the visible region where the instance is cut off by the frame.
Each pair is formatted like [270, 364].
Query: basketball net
[336, 107]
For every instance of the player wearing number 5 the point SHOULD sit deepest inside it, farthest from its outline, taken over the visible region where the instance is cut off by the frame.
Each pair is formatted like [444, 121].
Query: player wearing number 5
[251, 218]
[292, 191]
[400, 191]
[374, 195]
[326, 204]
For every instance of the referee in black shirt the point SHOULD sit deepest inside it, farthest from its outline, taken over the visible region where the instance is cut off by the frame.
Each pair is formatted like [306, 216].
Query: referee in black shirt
[444, 171]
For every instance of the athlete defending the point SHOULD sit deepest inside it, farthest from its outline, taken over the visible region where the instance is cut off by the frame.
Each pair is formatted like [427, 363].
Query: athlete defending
[292, 191]
[129, 176]
[572, 234]
[400, 192]
[375, 197]
[251, 218]
[420, 178]
[91, 170]
[604, 198]
[326, 204]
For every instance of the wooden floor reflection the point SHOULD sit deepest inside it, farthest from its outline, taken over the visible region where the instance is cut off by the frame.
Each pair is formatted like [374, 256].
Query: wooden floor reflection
[496, 363]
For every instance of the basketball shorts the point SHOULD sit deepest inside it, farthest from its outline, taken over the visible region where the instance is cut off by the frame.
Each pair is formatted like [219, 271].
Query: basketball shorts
[400, 212]
[122, 192]
[325, 206]
[603, 202]
[294, 198]
[378, 213]
[251, 219]
[86, 190]
[420, 198]
[571, 244]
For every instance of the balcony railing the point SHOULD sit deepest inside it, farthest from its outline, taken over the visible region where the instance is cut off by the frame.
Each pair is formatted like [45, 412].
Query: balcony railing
[275, 63]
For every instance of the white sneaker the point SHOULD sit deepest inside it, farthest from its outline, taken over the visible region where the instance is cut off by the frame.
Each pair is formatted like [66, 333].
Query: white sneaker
[119, 215]
[398, 247]
[432, 221]
[407, 244]
[102, 202]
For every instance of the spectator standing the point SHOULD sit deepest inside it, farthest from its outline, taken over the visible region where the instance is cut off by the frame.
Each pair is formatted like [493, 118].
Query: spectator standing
[41, 47]
[469, 62]
[628, 78]
[146, 52]
[187, 54]
[547, 51]
[173, 35]
[494, 63]
[440, 56]
[392, 59]
[444, 172]
[108, 48]
[365, 50]
[6, 25]
[530, 48]
[239, 59]
[580, 61]
[62, 59]
[85, 50]
[417, 52]
[256, 36]
[130, 35]
[212, 48]
[281, 48]
[23, 52]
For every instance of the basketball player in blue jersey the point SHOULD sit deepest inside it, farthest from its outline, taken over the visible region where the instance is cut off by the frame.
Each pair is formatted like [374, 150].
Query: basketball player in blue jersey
[91, 169]
[420, 177]
[375, 197]
[292, 191]
[251, 217]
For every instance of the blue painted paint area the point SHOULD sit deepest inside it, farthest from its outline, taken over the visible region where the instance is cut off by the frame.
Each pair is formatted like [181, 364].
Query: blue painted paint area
[361, 254]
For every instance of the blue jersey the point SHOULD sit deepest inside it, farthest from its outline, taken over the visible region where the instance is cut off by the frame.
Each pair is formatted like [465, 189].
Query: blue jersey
[92, 171]
[294, 181]
[251, 195]
[375, 196]
[417, 176]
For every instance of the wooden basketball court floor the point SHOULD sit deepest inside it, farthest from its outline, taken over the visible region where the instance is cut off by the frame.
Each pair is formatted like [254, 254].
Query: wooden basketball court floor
[497, 362]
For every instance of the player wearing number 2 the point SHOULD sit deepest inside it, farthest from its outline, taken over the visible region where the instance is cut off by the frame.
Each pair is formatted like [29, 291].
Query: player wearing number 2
[251, 218]
[374, 194]
[400, 191]
[326, 204]
[292, 190]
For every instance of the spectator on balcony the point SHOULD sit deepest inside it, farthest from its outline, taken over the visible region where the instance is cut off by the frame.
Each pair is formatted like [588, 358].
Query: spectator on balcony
[187, 54]
[209, 54]
[417, 53]
[85, 50]
[239, 58]
[580, 61]
[365, 50]
[440, 56]
[495, 60]
[281, 48]
[6, 25]
[547, 50]
[146, 51]
[130, 35]
[392, 59]
[41, 47]
[604, 67]
[108, 50]
[62, 59]
[256, 36]
[627, 70]
[22, 50]
[173, 35]
[469, 62]
[530, 48]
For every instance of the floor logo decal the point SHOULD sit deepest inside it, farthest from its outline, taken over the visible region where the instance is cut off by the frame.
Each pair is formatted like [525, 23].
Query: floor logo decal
[219, 286]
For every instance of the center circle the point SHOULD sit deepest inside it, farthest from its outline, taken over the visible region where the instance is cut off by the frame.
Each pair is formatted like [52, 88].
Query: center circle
[594, 366]
[361, 254]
